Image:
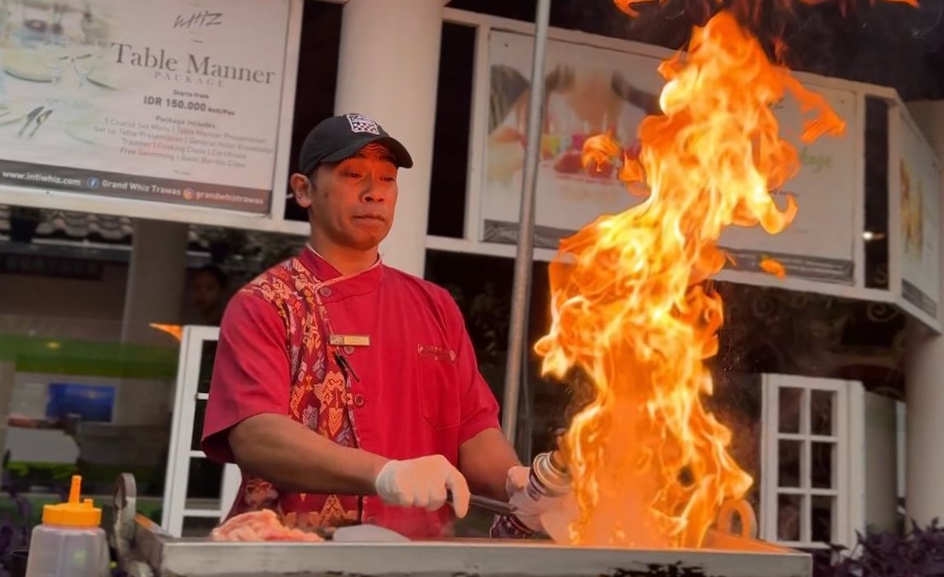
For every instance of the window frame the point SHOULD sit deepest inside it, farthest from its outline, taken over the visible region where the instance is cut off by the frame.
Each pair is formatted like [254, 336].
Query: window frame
[848, 481]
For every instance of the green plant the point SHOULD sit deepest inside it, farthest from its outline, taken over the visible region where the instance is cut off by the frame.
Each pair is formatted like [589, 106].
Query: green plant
[885, 554]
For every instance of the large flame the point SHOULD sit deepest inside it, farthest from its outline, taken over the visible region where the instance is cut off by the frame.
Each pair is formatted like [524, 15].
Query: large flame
[755, 9]
[651, 466]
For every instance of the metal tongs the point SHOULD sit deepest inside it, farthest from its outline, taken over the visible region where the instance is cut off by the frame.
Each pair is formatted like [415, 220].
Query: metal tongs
[487, 505]
[375, 534]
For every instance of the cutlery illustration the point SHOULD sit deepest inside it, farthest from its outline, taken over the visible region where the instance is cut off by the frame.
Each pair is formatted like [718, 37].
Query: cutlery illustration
[29, 118]
[40, 120]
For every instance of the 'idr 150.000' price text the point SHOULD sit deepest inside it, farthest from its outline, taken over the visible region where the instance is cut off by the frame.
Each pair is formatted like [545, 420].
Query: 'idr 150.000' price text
[175, 103]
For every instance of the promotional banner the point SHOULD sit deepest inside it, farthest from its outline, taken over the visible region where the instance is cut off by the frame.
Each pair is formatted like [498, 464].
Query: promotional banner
[174, 101]
[819, 244]
[592, 90]
[920, 210]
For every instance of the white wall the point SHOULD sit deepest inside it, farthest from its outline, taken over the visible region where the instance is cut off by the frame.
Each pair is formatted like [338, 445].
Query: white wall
[64, 308]
[65, 298]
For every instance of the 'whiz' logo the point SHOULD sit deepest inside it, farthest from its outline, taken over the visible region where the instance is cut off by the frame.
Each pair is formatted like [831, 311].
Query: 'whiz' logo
[361, 123]
[203, 19]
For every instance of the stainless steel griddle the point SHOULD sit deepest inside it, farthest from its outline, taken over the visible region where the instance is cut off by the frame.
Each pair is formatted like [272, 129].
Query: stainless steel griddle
[146, 550]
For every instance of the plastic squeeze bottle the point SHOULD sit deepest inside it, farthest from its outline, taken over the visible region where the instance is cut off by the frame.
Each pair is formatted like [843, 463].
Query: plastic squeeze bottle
[70, 542]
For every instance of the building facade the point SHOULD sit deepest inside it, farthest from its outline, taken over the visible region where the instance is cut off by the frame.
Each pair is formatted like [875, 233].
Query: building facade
[821, 407]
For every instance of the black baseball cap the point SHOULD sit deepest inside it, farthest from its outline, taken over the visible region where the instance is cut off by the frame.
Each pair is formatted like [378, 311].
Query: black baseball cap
[340, 137]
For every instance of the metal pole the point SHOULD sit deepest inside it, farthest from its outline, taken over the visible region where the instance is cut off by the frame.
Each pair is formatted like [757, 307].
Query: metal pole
[518, 326]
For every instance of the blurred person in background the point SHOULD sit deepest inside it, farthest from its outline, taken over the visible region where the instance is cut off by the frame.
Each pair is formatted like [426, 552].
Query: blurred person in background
[208, 288]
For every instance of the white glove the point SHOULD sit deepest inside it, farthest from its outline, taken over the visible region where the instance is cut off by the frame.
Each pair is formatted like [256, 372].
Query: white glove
[423, 482]
[528, 511]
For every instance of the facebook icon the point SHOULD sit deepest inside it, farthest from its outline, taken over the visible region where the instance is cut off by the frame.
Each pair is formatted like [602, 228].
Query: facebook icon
[93, 182]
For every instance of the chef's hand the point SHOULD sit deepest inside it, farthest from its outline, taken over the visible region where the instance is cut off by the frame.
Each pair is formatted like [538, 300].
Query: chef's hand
[528, 511]
[423, 482]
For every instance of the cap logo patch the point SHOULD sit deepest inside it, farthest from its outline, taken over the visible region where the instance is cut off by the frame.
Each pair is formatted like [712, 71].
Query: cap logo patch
[360, 123]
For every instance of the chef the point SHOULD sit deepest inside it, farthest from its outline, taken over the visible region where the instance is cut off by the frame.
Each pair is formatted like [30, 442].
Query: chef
[345, 390]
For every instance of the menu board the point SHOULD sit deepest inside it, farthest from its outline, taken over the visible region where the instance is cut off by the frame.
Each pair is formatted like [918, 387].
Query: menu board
[176, 101]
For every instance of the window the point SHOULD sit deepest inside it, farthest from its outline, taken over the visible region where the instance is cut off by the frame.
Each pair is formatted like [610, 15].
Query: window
[812, 461]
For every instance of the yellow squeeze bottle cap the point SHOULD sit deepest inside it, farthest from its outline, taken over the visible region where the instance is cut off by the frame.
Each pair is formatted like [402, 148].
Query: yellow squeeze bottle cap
[73, 513]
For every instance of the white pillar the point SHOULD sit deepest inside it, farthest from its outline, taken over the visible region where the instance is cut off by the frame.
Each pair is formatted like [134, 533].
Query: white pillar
[156, 279]
[924, 373]
[389, 70]
[924, 433]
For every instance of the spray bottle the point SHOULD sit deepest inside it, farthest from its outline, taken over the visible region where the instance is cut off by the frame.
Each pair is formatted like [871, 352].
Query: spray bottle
[549, 479]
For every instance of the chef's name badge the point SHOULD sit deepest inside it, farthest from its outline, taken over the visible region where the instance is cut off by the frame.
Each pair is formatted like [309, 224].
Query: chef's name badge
[349, 340]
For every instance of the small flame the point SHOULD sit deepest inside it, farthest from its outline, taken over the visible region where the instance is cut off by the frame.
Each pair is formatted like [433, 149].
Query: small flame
[629, 307]
[774, 267]
[175, 331]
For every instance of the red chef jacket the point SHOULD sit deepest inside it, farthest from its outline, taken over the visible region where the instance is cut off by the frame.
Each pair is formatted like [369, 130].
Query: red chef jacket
[410, 387]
